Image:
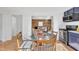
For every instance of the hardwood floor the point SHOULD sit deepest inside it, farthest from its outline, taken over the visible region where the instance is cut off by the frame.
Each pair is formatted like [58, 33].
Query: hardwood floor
[11, 45]
[67, 48]
[59, 47]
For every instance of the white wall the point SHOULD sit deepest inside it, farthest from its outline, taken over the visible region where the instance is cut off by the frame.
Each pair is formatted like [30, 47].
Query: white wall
[56, 12]
[14, 25]
[6, 27]
[6, 30]
[0, 26]
[17, 23]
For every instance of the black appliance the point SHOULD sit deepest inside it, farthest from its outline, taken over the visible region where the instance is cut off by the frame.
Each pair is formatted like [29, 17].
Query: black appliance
[71, 27]
[65, 18]
[64, 36]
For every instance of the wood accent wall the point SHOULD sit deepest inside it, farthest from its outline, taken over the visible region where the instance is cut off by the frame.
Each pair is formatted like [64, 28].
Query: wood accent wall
[45, 23]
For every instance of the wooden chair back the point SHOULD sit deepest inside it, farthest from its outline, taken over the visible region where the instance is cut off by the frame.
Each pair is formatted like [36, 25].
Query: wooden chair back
[52, 40]
[19, 39]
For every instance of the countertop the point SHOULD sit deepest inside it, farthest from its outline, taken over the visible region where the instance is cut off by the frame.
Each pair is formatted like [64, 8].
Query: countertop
[74, 32]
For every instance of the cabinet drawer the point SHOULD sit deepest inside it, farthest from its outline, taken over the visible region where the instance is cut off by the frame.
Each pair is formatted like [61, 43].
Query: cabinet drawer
[76, 9]
[65, 13]
[77, 39]
[72, 39]
[70, 12]
[73, 34]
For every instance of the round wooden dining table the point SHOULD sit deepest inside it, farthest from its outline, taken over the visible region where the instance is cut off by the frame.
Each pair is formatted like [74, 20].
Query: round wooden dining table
[41, 42]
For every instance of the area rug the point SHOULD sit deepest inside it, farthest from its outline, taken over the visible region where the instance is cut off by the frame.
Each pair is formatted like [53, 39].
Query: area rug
[60, 47]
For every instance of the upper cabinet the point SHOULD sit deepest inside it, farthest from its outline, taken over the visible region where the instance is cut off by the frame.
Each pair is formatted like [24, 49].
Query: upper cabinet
[71, 15]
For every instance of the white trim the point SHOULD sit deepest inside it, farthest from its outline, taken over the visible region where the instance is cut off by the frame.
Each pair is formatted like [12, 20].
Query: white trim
[42, 17]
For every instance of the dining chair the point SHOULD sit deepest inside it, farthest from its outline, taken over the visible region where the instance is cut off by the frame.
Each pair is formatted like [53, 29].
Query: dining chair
[51, 43]
[48, 45]
[53, 40]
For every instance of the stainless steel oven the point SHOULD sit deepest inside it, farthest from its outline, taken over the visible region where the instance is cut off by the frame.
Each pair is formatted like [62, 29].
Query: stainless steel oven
[61, 34]
[64, 35]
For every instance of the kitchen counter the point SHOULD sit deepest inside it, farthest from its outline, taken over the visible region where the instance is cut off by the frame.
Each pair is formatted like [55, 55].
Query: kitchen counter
[74, 32]
[74, 39]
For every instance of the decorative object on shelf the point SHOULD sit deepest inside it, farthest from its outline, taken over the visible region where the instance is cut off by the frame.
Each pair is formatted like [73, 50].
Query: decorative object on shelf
[78, 29]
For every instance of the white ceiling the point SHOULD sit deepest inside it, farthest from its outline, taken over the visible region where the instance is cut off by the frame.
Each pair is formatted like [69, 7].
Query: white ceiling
[33, 10]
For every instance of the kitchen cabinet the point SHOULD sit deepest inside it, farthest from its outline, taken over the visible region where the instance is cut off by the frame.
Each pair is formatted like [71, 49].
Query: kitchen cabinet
[74, 40]
[71, 15]
[65, 13]
[75, 17]
[70, 11]
[76, 9]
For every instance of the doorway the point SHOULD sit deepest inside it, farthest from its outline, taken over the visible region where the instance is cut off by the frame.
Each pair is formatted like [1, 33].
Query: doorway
[42, 23]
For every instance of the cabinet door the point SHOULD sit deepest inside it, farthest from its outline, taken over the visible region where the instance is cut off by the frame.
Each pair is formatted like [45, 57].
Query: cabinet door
[72, 39]
[76, 16]
[73, 34]
[77, 40]
[76, 9]
[65, 13]
[70, 12]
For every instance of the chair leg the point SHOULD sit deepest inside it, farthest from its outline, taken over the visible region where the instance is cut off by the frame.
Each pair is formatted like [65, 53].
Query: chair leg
[55, 47]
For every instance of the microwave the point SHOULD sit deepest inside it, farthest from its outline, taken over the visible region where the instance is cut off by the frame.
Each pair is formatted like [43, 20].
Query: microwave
[65, 18]
[73, 17]
[70, 17]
